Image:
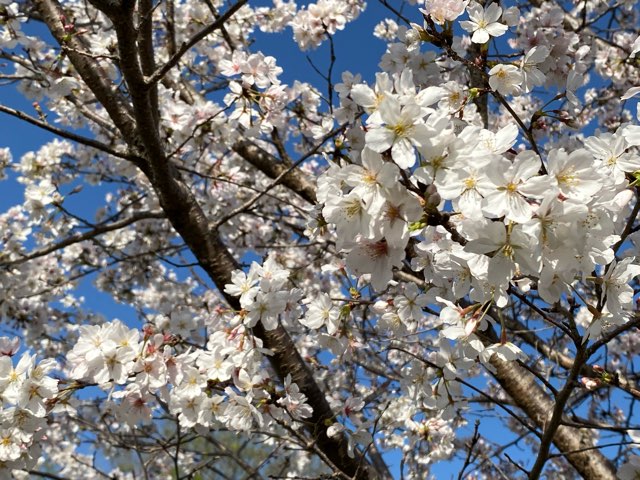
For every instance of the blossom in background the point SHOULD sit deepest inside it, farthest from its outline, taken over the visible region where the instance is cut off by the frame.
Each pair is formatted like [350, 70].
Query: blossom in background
[351, 210]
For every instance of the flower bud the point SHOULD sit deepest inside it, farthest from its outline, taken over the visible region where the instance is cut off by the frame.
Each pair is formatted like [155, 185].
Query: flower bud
[590, 383]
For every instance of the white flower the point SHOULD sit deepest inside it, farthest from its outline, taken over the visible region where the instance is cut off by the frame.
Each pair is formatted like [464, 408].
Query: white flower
[320, 312]
[506, 352]
[454, 98]
[12, 378]
[377, 258]
[215, 364]
[511, 16]
[402, 131]
[135, 406]
[398, 212]
[617, 293]
[531, 75]
[505, 79]
[40, 195]
[467, 187]
[410, 303]
[294, 401]
[507, 247]
[610, 149]
[240, 414]
[349, 214]
[272, 275]
[574, 81]
[484, 22]
[444, 10]
[187, 407]
[511, 181]
[11, 444]
[371, 98]
[243, 285]
[266, 308]
[113, 365]
[33, 395]
[370, 179]
[574, 173]
[9, 346]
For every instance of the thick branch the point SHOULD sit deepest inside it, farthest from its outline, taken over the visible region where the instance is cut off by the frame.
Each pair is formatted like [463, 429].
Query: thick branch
[147, 58]
[529, 396]
[269, 165]
[89, 69]
[191, 223]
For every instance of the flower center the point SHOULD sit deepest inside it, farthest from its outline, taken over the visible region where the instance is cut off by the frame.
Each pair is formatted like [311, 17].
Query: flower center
[470, 183]
[378, 249]
[401, 129]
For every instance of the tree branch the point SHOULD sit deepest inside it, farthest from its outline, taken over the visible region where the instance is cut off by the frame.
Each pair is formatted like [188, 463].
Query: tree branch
[103, 147]
[81, 237]
[94, 76]
[184, 48]
[191, 223]
[530, 397]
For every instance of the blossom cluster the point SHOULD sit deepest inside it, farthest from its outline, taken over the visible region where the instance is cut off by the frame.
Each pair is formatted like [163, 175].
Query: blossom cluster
[464, 203]
[223, 383]
[311, 25]
[28, 393]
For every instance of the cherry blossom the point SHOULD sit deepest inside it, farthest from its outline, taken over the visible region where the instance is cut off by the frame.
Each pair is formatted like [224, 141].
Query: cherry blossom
[444, 10]
[505, 79]
[401, 133]
[483, 22]
[318, 277]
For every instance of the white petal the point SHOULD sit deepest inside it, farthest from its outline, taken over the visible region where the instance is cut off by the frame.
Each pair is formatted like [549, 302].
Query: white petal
[363, 95]
[480, 36]
[632, 92]
[496, 29]
[403, 153]
[379, 139]
[492, 13]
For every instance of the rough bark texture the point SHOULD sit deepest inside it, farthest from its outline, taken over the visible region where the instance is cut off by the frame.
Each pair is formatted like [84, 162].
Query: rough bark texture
[92, 73]
[269, 165]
